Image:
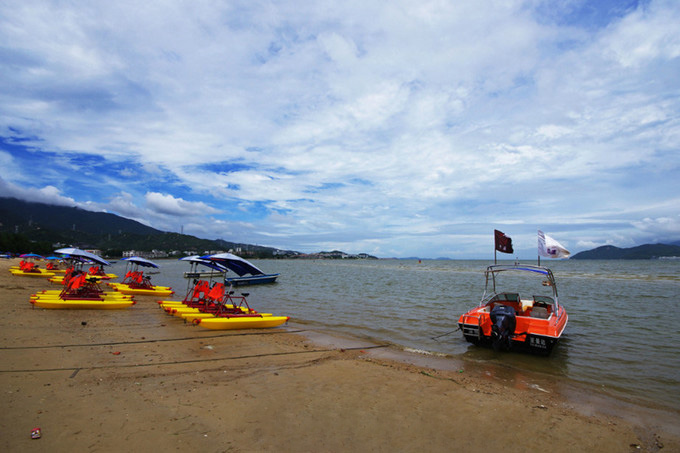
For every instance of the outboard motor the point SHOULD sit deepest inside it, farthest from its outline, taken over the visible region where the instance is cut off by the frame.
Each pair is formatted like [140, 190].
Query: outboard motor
[503, 325]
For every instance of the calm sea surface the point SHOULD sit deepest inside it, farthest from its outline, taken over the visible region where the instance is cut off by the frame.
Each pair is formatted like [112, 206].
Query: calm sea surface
[623, 334]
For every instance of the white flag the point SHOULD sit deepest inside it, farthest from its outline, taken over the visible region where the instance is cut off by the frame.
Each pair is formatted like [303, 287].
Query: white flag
[549, 247]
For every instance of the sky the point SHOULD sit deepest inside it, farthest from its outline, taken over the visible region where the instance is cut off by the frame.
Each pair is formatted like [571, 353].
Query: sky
[398, 129]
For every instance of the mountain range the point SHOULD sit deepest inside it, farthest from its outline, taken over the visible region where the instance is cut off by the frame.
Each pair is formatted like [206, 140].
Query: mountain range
[641, 252]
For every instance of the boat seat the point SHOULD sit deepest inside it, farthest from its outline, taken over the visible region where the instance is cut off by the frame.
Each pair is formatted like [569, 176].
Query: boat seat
[525, 305]
[540, 313]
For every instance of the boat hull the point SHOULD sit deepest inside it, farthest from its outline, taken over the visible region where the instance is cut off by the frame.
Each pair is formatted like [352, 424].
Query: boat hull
[181, 309]
[252, 280]
[242, 322]
[103, 296]
[41, 273]
[80, 304]
[156, 291]
[538, 336]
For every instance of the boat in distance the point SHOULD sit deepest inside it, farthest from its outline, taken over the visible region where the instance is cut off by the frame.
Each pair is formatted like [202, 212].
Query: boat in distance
[136, 283]
[507, 321]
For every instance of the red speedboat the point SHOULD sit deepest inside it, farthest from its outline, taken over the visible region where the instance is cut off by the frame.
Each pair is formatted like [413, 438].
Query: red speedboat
[507, 321]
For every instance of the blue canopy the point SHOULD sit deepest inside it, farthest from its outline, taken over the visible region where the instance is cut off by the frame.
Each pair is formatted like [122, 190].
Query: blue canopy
[30, 255]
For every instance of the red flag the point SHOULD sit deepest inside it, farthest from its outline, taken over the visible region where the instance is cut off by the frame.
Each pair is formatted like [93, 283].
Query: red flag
[503, 242]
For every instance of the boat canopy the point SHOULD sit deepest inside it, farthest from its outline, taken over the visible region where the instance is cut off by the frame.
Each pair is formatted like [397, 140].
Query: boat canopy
[196, 259]
[496, 268]
[140, 261]
[234, 263]
[78, 253]
[30, 255]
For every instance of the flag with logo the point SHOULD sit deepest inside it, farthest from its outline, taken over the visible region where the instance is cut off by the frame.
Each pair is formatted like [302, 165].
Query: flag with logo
[503, 242]
[549, 247]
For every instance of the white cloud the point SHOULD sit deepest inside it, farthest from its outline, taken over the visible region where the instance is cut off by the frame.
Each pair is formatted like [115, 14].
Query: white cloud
[553, 131]
[167, 204]
[123, 204]
[342, 51]
[390, 126]
[47, 194]
[646, 34]
[666, 228]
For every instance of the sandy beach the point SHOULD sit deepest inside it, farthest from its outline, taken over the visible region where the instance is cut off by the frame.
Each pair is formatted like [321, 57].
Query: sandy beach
[139, 380]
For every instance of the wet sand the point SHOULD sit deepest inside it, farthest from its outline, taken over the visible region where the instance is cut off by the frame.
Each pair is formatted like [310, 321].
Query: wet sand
[139, 380]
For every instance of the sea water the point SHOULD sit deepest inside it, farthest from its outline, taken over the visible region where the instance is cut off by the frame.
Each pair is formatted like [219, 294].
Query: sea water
[623, 334]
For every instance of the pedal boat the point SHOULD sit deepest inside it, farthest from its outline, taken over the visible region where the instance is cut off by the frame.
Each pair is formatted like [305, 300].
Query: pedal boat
[136, 283]
[81, 292]
[506, 321]
[217, 308]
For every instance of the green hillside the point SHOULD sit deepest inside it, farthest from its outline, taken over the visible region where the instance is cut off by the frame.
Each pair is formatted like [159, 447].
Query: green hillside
[39, 228]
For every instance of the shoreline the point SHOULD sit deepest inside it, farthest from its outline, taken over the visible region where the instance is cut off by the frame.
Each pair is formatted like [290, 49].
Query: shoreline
[581, 397]
[140, 379]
